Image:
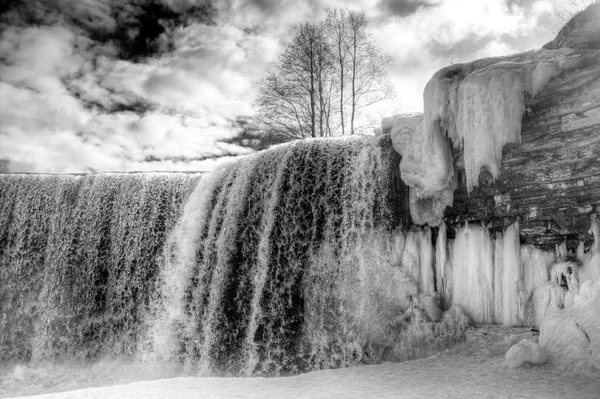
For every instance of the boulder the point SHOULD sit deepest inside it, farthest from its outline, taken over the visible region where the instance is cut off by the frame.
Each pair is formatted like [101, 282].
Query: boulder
[526, 351]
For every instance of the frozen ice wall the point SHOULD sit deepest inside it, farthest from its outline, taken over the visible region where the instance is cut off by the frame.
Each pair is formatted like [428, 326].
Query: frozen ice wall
[497, 280]
[478, 106]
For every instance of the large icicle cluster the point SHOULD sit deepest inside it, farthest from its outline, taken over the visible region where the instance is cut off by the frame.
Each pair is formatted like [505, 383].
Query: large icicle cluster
[479, 106]
[426, 167]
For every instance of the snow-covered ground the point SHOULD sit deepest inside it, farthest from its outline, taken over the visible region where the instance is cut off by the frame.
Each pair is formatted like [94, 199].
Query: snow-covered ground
[473, 369]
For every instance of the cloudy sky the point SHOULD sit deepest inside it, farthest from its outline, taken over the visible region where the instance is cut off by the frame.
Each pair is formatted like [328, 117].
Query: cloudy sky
[98, 85]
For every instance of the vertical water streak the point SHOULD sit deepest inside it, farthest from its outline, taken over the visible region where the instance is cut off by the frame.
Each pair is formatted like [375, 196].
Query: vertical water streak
[79, 258]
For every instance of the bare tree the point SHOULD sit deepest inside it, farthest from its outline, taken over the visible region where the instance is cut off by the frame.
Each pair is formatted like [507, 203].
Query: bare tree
[331, 71]
[295, 99]
[337, 33]
[368, 69]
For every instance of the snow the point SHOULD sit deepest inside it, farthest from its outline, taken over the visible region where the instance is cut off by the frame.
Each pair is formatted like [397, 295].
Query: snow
[475, 368]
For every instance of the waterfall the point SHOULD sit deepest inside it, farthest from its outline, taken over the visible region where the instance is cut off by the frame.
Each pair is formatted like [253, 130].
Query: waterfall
[281, 261]
[79, 260]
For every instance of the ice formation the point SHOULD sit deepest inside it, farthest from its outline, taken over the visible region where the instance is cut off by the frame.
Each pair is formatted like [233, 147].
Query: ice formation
[571, 335]
[478, 106]
[526, 351]
[426, 167]
[473, 274]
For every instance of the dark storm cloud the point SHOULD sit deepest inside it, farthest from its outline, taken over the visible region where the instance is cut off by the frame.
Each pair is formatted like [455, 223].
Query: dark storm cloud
[137, 28]
[403, 7]
[459, 51]
[101, 84]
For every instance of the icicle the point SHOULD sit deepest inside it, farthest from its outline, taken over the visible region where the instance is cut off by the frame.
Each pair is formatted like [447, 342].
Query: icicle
[595, 231]
[478, 105]
[411, 257]
[473, 273]
[561, 250]
[441, 257]
[498, 279]
[590, 269]
[512, 301]
[581, 251]
[426, 258]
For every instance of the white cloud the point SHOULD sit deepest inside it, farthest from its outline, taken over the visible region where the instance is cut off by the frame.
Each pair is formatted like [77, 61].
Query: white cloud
[66, 102]
[456, 31]
[44, 127]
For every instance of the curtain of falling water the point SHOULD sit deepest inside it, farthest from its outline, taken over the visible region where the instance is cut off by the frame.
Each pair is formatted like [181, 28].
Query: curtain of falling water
[268, 236]
[79, 258]
[280, 262]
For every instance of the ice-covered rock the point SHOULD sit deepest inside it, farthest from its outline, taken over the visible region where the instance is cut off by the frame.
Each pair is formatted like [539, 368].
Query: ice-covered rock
[590, 269]
[477, 106]
[586, 313]
[548, 297]
[426, 167]
[432, 305]
[571, 336]
[526, 351]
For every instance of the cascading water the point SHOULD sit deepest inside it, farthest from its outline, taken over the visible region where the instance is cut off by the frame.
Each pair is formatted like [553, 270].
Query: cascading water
[281, 261]
[79, 257]
[285, 261]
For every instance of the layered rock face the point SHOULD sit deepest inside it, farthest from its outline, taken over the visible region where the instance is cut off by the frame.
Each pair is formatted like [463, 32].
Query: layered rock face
[550, 181]
[524, 136]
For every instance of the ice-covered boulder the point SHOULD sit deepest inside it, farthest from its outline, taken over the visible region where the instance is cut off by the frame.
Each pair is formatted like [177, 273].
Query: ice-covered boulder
[571, 336]
[432, 305]
[586, 313]
[526, 351]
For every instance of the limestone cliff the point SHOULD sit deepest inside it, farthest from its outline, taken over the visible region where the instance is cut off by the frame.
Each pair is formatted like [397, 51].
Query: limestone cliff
[550, 181]
[524, 134]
